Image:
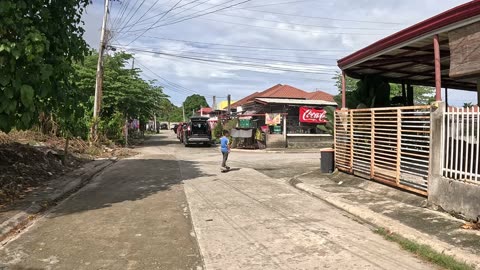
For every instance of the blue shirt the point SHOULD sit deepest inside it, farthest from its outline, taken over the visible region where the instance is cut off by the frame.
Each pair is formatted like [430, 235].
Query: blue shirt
[224, 144]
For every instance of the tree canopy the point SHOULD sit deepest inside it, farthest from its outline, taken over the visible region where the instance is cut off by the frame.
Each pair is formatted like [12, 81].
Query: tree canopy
[194, 103]
[39, 41]
[124, 91]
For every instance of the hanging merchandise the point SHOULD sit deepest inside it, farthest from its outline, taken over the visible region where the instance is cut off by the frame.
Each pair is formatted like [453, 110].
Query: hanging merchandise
[273, 119]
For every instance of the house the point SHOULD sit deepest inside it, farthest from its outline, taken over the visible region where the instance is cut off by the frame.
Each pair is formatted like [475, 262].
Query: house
[295, 115]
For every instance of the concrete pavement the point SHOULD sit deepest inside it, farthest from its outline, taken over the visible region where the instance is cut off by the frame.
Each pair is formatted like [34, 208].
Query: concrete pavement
[136, 215]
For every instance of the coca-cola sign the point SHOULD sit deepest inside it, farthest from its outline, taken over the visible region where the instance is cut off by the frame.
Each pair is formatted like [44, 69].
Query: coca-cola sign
[314, 116]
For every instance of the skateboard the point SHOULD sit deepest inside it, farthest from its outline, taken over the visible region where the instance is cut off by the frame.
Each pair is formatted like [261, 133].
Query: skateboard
[224, 170]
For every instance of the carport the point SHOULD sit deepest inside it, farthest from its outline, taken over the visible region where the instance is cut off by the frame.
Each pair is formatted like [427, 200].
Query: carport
[406, 146]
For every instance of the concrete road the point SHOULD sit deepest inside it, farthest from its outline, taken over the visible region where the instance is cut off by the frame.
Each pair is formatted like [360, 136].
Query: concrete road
[135, 215]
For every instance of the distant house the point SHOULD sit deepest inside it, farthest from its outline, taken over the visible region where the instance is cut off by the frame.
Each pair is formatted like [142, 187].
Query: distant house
[205, 111]
[298, 115]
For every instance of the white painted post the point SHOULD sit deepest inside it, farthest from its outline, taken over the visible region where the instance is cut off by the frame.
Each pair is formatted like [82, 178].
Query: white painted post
[285, 130]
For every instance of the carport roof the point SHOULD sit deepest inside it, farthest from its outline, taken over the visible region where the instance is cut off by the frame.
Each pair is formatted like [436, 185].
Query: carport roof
[407, 56]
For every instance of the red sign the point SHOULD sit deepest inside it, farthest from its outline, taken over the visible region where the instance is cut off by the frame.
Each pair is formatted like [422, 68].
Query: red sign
[314, 116]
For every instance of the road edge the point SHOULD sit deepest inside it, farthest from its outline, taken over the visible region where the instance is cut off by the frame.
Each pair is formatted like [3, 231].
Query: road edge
[22, 220]
[379, 221]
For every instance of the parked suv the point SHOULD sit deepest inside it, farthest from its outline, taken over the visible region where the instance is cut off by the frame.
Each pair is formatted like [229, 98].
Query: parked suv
[197, 131]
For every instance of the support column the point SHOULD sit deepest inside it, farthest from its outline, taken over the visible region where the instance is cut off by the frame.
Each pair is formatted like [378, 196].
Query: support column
[344, 87]
[285, 130]
[410, 99]
[478, 92]
[446, 97]
[404, 94]
[438, 71]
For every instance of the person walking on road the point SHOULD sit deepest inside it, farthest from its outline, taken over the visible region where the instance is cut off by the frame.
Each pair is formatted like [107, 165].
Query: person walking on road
[225, 148]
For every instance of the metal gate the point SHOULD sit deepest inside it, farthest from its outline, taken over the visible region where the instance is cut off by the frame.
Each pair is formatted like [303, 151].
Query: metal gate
[389, 145]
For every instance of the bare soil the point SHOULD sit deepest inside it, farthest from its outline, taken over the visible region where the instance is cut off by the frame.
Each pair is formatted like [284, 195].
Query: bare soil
[29, 159]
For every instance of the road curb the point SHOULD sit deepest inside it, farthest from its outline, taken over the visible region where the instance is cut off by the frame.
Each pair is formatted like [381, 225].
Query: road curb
[20, 221]
[380, 221]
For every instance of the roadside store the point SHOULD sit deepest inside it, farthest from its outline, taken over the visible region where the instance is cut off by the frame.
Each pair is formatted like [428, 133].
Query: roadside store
[284, 116]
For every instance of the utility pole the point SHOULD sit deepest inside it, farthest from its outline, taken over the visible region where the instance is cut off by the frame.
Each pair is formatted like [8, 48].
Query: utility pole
[183, 109]
[214, 105]
[99, 79]
[229, 100]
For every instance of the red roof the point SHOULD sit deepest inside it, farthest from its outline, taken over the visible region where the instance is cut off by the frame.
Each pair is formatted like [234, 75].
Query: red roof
[429, 26]
[285, 91]
[319, 95]
[205, 110]
[245, 99]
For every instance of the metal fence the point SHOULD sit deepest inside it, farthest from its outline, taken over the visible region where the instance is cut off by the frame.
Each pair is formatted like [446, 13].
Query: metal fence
[462, 144]
[389, 145]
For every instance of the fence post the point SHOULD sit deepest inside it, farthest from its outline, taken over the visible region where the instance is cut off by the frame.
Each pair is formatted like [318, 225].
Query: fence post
[351, 140]
[399, 145]
[372, 144]
[437, 150]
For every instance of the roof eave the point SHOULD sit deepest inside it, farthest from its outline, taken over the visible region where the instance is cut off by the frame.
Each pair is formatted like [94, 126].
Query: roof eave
[454, 18]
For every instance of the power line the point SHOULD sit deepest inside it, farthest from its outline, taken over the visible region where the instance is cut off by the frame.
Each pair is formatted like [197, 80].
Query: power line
[177, 86]
[269, 67]
[237, 56]
[145, 13]
[249, 46]
[161, 17]
[155, 16]
[189, 17]
[229, 51]
[282, 3]
[316, 17]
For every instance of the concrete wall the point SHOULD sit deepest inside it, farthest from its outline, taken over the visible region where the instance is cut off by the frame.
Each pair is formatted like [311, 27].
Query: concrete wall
[304, 142]
[275, 141]
[455, 197]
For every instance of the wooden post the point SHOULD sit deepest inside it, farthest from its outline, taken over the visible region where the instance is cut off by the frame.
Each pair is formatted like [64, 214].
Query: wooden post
[399, 145]
[410, 99]
[344, 87]
[404, 94]
[438, 72]
[285, 130]
[351, 141]
[372, 144]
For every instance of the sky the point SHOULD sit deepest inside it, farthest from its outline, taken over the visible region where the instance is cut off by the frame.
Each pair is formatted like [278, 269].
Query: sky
[237, 47]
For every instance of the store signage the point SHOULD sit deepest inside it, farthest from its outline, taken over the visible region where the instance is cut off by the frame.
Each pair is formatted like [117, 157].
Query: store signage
[314, 116]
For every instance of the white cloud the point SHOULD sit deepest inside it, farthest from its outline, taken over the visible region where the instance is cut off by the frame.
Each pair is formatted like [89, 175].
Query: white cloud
[220, 79]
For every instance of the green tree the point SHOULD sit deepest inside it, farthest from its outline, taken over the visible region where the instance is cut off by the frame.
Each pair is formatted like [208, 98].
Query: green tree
[194, 103]
[39, 41]
[125, 93]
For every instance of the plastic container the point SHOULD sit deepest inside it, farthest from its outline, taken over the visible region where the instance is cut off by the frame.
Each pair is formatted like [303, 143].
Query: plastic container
[327, 163]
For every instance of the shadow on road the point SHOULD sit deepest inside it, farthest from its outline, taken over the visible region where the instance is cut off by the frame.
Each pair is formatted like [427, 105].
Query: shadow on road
[129, 180]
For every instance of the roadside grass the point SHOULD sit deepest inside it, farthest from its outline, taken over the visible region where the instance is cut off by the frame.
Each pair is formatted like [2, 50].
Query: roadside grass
[425, 252]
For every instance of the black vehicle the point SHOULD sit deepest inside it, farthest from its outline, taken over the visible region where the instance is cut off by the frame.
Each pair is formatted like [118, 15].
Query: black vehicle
[164, 126]
[175, 128]
[197, 131]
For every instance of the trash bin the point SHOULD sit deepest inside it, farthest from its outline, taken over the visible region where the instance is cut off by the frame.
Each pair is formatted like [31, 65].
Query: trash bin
[327, 164]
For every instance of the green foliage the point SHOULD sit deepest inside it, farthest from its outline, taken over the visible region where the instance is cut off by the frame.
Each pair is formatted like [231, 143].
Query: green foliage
[375, 92]
[329, 126]
[39, 40]
[125, 93]
[217, 131]
[169, 112]
[194, 103]
[467, 105]
[112, 128]
[425, 252]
